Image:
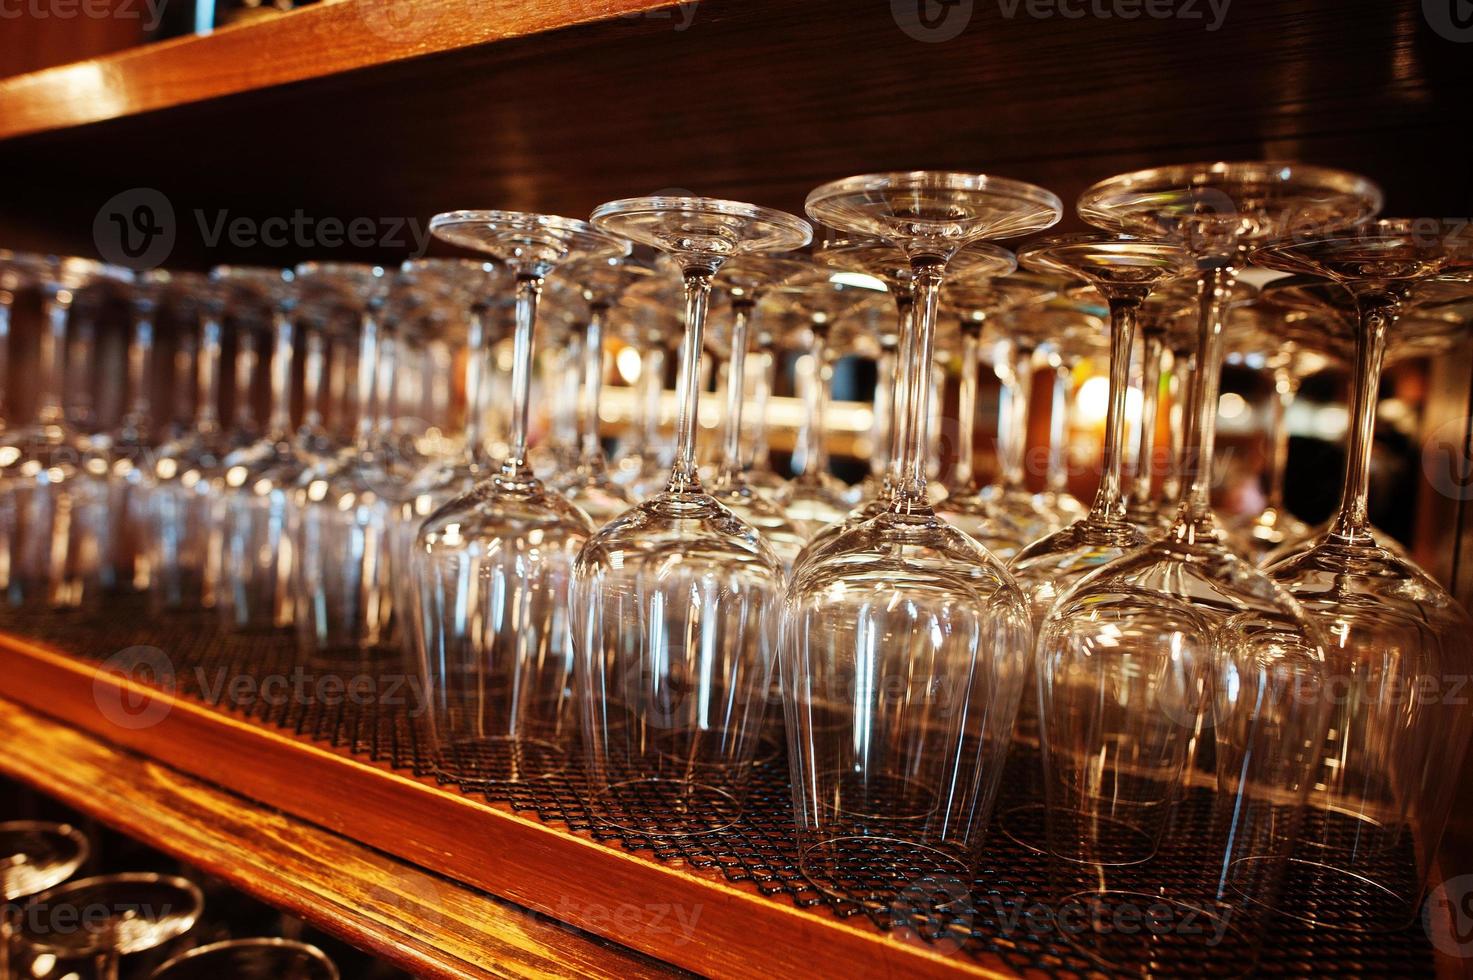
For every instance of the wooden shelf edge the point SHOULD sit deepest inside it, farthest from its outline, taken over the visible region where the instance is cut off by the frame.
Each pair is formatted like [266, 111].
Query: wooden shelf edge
[418, 921]
[692, 919]
[326, 39]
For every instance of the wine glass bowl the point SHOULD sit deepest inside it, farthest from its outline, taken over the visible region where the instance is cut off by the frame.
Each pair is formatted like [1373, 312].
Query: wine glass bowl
[249, 959]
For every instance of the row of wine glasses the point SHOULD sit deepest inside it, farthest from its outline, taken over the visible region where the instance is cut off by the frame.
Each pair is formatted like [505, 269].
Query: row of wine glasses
[1203, 724]
[52, 922]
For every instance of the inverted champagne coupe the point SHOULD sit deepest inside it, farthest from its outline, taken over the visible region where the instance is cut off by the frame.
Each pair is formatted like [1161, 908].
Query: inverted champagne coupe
[1125, 271]
[589, 484]
[1009, 517]
[257, 514]
[53, 490]
[492, 567]
[108, 917]
[676, 600]
[1180, 657]
[815, 498]
[34, 856]
[905, 643]
[344, 505]
[249, 959]
[745, 280]
[1386, 777]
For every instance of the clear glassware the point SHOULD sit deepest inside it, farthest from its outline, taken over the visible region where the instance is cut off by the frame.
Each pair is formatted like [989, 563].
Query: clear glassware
[492, 567]
[1178, 684]
[1167, 318]
[34, 856]
[905, 644]
[1075, 332]
[249, 959]
[345, 504]
[1385, 779]
[647, 322]
[54, 515]
[815, 498]
[109, 917]
[1125, 271]
[483, 289]
[891, 267]
[257, 516]
[675, 602]
[1010, 516]
[589, 484]
[745, 280]
[757, 470]
[185, 543]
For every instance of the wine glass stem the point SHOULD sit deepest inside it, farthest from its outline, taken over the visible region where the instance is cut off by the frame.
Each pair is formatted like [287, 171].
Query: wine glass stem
[1013, 415]
[757, 457]
[593, 381]
[683, 476]
[316, 357]
[1108, 505]
[926, 278]
[48, 358]
[1058, 429]
[1286, 389]
[245, 370]
[882, 405]
[207, 416]
[652, 391]
[1145, 467]
[383, 402]
[815, 449]
[1201, 434]
[107, 966]
[475, 384]
[79, 374]
[1176, 423]
[281, 377]
[529, 292]
[736, 371]
[966, 434]
[140, 352]
[368, 350]
[900, 385]
[1378, 312]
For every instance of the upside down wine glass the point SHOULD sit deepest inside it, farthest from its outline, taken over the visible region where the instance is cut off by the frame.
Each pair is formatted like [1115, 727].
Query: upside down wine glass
[1182, 645]
[1386, 777]
[1124, 271]
[249, 959]
[492, 567]
[676, 600]
[905, 644]
[109, 917]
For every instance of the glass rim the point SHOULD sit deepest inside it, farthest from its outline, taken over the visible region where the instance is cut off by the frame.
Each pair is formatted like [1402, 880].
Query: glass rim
[1185, 176]
[934, 179]
[272, 942]
[525, 222]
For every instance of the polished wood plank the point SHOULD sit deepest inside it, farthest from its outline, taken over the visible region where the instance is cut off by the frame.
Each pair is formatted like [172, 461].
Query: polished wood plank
[419, 921]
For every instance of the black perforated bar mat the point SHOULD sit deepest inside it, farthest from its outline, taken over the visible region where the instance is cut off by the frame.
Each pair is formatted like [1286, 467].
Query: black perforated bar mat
[1003, 915]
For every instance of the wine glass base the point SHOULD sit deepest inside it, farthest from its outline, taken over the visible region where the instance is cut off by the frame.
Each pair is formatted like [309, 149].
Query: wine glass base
[876, 799]
[886, 873]
[500, 760]
[1024, 825]
[1350, 902]
[1140, 934]
[1113, 843]
[665, 807]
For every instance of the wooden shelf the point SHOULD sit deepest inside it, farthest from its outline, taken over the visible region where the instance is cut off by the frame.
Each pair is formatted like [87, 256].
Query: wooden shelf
[558, 107]
[421, 922]
[691, 918]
